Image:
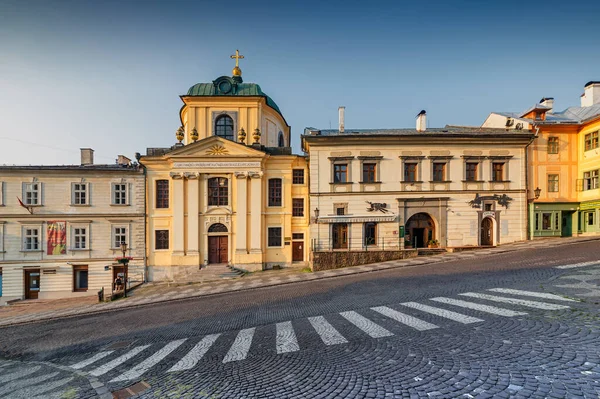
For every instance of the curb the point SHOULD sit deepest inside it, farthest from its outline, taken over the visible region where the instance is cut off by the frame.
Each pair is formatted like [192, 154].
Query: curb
[381, 267]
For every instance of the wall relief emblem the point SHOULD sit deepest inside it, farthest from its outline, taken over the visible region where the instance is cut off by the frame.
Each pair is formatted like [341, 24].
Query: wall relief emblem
[217, 149]
[377, 206]
[503, 200]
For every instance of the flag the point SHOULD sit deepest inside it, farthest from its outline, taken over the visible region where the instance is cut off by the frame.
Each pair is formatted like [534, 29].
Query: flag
[25, 206]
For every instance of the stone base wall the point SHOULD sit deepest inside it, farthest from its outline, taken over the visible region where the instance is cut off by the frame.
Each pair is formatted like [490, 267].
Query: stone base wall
[337, 260]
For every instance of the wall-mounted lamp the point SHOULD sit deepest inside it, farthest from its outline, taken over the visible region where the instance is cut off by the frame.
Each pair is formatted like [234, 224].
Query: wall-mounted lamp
[537, 192]
[317, 213]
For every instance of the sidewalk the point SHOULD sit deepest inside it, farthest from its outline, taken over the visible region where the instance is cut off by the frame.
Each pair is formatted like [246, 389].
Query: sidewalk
[33, 311]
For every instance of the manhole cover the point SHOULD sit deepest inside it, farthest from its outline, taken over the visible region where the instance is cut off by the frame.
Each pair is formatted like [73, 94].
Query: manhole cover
[133, 390]
[120, 345]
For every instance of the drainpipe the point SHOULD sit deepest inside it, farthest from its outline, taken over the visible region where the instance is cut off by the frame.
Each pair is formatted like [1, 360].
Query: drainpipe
[145, 277]
[529, 205]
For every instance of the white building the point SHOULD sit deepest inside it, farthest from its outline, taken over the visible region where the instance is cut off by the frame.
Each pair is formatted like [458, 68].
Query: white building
[63, 239]
[395, 188]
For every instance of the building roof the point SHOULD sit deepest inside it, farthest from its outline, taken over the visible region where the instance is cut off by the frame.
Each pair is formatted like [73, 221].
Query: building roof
[95, 167]
[243, 90]
[446, 131]
[571, 115]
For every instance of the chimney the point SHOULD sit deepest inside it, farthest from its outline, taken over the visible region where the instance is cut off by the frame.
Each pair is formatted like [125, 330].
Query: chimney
[422, 121]
[87, 156]
[591, 94]
[123, 160]
[342, 111]
[548, 102]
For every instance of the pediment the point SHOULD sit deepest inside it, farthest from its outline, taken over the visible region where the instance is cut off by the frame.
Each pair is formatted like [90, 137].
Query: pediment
[214, 148]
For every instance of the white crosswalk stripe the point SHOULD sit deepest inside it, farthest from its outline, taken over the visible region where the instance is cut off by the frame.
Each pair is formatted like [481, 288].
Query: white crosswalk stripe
[476, 306]
[532, 294]
[29, 391]
[286, 338]
[241, 346]
[514, 301]
[195, 354]
[118, 361]
[461, 318]
[366, 325]
[93, 359]
[576, 265]
[18, 374]
[329, 335]
[144, 366]
[405, 319]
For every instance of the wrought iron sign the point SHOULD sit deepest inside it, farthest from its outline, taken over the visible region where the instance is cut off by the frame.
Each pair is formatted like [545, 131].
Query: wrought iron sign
[377, 206]
[503, 200]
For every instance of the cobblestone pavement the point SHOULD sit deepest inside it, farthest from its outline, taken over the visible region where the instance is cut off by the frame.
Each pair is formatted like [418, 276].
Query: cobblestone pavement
[476, 327]
[34, 311]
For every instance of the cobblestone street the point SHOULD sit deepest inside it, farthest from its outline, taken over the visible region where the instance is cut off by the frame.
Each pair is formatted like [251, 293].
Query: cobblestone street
[523, 323]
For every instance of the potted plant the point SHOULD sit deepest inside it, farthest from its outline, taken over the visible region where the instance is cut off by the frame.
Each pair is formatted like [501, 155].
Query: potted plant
[432, 244]
[407, 244]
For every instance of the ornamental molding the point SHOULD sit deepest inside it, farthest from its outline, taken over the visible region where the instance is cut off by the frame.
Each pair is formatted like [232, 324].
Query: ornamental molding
[177, 175]
[216, 165]
[217, 149]
[503, 200]
[377, 206]
[357, 219]
[191, 175]
[241, 175]
[255, 175]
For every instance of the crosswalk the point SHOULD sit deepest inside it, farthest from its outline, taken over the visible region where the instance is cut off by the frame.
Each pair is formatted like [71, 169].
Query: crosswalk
[135, 362]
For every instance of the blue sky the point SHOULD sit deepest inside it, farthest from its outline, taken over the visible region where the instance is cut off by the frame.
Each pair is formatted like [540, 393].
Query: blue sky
[107, 75]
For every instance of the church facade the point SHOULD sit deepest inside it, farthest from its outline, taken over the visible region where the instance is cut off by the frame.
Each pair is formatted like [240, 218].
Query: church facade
[230, 192]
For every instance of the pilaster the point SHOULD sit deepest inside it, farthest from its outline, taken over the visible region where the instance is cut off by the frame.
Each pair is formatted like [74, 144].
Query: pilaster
[242, 213]
[193, 199]
[256, 212]
[178, 217]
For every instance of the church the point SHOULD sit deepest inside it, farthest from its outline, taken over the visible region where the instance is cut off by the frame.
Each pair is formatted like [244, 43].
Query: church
[229, 192]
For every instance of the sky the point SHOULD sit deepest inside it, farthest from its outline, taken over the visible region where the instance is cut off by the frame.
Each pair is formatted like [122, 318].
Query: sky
[108, 74]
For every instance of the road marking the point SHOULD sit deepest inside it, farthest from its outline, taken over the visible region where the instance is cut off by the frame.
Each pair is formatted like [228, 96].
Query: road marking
[531, 293]
[479, 307]
[91, 360]
[326, 331]
[286, 338]
[195, 354]
[111, 365]
[241, 346]
[461, 318]
[22, 383]
[404, 318]
[18, 374]
[366, 325]
[29, 391]
[575, 265]
[144, 366]
[513, 301]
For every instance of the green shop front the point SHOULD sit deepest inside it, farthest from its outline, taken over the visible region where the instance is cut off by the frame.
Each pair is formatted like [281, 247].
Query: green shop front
[553, 219]
[589, 215]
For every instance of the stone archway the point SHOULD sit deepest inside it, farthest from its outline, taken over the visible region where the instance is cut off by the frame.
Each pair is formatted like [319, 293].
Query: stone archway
[420, 229]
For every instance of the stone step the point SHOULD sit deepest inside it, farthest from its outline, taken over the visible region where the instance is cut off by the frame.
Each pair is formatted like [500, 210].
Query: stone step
[430, 251]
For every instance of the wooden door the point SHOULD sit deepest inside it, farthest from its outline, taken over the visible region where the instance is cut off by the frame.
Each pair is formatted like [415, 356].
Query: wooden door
[297, 251]
[32, 284]
[340, 235]
[218, 250]
[487, 232]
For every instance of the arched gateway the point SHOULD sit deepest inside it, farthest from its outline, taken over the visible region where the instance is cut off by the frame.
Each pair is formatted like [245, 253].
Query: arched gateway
[420, 229]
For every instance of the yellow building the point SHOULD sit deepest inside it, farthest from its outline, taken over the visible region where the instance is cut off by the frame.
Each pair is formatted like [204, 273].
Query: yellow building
[230, 192]
[563, 165]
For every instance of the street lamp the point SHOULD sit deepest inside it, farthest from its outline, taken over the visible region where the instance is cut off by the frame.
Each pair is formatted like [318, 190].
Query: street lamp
[125, 262]
[537, 192]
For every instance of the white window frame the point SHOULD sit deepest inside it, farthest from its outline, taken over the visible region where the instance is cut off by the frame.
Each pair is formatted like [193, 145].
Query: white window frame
[113, 236]
[591, 179]
[1, 193]
[24, 236]
[2, 236]
[113, 194]
[282, 236]
[74, 235]
[37, 191]
[86, 191]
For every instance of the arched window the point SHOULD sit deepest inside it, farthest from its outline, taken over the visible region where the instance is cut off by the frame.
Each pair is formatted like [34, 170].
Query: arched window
[280, 140]
[218, 191]
[217, 228]
[224, 127]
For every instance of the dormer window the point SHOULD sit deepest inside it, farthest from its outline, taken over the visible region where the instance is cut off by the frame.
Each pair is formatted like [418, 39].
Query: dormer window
[224, 127]
[280, 140]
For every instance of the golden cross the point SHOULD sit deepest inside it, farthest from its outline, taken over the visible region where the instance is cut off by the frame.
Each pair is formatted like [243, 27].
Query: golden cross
[237, 57]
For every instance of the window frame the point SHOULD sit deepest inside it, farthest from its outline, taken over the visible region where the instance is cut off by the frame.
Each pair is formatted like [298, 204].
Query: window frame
[113, 193]
[75, 234]
[406, 171]
[269, 237]
[553, 145]
[296, 178]
[75, 191]
[553, 184]
[372, 175]
[222, 192]
[591, 141]
[275, 194]
[37, 191]
[590, 182]
[444, 171]
[476, 176]
[160, 201]
[501, 171]
[78, 269]
[338, 172]
[372, 226]
[224, 117]
[114, 234]
[25, 235]
[297, 211]
[157, 232]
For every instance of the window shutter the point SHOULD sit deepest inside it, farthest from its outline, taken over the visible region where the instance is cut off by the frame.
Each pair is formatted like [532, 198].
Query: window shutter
[579, 185]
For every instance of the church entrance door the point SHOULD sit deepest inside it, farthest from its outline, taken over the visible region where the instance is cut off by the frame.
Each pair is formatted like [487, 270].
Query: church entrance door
[487, 232]
[217, 249]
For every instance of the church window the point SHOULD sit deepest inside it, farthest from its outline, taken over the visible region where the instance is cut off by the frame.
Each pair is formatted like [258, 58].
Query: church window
[218, 191]
[275, 188]
[298, 176]
[161, 239]
[162, 193]
[274, 237]
[298, 207]
[280, 140]
[224, 127]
